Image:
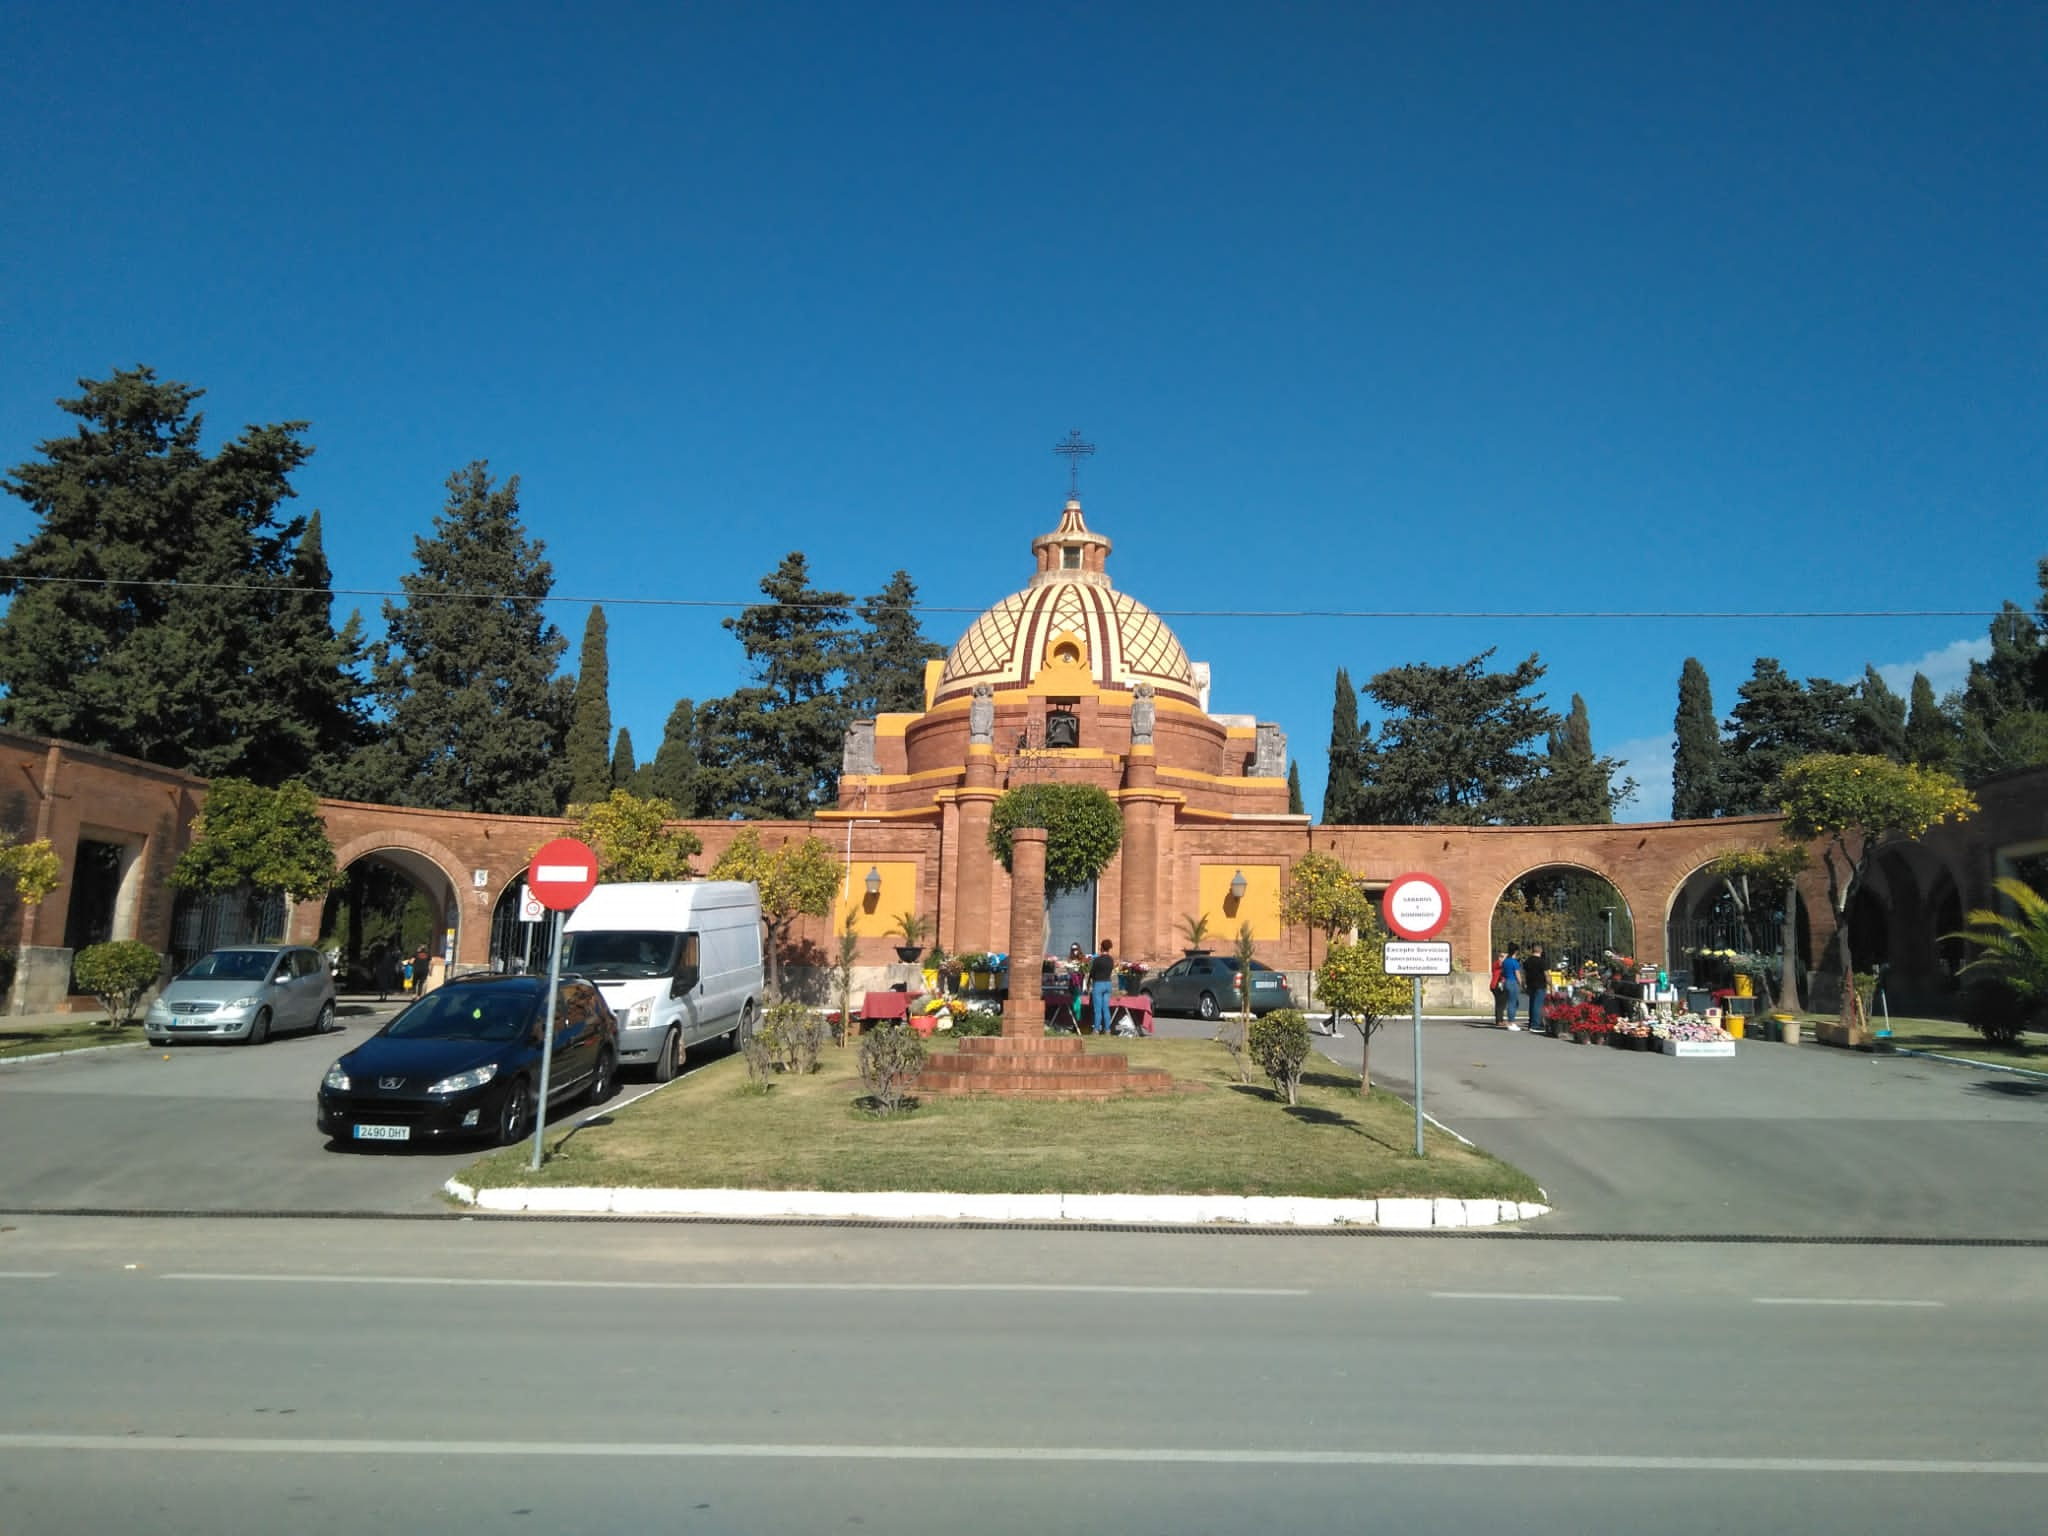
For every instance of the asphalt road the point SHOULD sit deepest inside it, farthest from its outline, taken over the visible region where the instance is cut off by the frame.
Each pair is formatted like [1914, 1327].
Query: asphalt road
[1779, 1140]
[211, 1128]
[338, 1376]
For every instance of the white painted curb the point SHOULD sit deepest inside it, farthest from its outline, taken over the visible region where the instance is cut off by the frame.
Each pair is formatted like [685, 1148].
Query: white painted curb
[921, 1205]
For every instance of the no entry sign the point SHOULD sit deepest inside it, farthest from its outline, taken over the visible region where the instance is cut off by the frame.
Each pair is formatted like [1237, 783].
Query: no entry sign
[1416, 906]
[562, 874]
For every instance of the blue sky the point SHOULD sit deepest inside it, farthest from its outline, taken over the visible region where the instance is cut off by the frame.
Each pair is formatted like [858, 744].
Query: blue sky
[1726, 310]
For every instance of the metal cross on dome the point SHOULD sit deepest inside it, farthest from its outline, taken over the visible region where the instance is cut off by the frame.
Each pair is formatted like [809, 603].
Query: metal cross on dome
[1075, 449]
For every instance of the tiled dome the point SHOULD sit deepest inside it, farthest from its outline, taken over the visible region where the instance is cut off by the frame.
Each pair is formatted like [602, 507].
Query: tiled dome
[1123, 643]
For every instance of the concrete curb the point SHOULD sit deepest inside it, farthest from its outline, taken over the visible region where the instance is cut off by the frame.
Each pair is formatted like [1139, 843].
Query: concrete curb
[83, 1050]
[901, 1205]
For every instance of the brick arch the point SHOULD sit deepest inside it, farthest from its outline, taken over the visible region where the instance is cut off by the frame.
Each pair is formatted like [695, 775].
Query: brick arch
[437, 854]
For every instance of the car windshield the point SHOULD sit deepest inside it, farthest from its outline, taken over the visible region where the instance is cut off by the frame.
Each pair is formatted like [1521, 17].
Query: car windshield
[620, 956]
[467, 1013]
[232, 965]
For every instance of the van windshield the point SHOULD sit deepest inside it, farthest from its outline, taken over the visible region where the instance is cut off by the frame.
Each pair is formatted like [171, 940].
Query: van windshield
[619, 956]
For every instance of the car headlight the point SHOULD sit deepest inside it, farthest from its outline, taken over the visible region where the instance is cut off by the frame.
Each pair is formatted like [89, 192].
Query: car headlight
[640, 1013]
[462, 1082]
[240, 1003]
[336, 1079]
[158, 1010]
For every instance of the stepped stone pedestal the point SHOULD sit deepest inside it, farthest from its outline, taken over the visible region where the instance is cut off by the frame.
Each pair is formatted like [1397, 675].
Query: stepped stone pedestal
[1048, 1067]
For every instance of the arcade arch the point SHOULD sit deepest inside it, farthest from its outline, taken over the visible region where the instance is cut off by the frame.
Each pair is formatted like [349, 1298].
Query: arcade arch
[1713, 914]
[1572, 910]
[397, 894]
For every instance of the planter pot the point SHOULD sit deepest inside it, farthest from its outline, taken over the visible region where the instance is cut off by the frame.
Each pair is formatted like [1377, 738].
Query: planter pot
[1578, 1037]
[908, 952]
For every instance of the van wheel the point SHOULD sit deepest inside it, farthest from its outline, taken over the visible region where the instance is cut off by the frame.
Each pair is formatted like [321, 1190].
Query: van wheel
[743, 1031]
[666, 1063]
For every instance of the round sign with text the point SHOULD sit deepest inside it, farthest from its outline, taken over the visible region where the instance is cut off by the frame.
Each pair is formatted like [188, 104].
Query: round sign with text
[1416, 906]
[562, 873]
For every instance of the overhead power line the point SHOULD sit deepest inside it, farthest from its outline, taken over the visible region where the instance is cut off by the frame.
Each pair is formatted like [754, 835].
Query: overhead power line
[1544, 614]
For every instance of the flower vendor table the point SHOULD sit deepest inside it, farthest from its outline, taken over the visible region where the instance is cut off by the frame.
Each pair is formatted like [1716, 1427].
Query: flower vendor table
[887, 1007]
[1137, 1008]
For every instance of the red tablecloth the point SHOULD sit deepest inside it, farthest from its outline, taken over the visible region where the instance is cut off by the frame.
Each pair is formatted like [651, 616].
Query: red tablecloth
[1137, 1006]
[880, 1007]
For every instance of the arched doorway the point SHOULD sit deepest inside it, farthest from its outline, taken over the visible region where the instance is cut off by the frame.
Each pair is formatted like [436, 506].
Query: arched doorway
[1721, 921]
[389, 898]
[1575, 913]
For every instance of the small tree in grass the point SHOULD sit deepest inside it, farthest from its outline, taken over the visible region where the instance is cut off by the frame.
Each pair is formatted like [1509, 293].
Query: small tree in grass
[2012, 956]
[266, 839]
[633, 840]
[117, 973]
[795, 880]
[1356, 985]
[1233, 1030]
[890, 1059]
[795, 1036]
[1326, 896]
[1279, 1044]
[1851, 806]
[842, 975]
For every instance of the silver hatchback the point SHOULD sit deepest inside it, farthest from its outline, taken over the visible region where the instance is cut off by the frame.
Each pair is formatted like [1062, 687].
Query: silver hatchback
[246, 993]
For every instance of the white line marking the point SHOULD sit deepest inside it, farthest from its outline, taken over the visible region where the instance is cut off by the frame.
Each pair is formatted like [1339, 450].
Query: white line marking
[1516, 1296]
[1842, 1301]
[1111, 1455]
[28, 1274]
[505, 1283]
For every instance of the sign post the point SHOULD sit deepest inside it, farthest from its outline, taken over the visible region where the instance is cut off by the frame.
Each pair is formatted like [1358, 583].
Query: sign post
[562, 873]
[1417, 907]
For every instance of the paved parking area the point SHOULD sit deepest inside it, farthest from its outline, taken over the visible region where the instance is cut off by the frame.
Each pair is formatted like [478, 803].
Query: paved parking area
[1780, 1140]
[208, 1127]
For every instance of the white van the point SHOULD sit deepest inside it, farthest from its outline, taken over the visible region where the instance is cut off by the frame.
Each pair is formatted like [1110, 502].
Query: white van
[679, 962]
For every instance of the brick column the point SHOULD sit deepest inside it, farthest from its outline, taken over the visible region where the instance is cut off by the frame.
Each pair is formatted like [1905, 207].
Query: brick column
[1138, 922]
[1023, 1013]
[974, 866]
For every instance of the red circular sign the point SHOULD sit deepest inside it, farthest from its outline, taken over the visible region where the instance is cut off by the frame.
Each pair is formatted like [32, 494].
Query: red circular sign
[562, 873]
[1416, 906]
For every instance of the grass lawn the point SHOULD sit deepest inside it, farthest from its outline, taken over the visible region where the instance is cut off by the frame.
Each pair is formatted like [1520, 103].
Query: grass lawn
[71, 1035]
[1953, 1039]
[709, 1131]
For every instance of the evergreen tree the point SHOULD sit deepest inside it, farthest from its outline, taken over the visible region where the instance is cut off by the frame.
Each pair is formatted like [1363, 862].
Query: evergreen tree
[1457, 747]
[885, 662]
[1776, 721]
[774, 749]
[304, 662]
[1294, 803]
[143, 605]
[465, 673]
[1930, 730]
[1340, 790]
[2004, 724]
[672, 776]
[591, 775]
[1878, 721]
[1577, 787]
[1696, 757]
[623, 769]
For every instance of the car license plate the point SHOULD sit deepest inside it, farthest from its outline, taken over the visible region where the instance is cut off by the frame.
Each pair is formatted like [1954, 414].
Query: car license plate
[383, 1133]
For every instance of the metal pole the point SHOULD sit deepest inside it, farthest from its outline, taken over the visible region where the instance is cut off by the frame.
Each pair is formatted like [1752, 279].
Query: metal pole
[547, 1041]
[1418, 1070]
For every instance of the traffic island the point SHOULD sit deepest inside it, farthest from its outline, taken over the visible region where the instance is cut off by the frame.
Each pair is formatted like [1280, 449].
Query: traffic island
[715, 1144]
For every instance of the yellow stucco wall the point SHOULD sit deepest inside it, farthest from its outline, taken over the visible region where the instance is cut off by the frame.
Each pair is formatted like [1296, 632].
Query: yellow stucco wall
[875, 918]
[1260, 904]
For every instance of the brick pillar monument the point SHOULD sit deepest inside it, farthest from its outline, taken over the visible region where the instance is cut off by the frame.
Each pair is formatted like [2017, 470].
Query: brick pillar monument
[1023, 1013]
[973, 864]
[1139, 930]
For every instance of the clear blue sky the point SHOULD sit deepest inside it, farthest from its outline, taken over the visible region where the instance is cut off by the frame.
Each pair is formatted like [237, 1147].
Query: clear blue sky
[1387, 307]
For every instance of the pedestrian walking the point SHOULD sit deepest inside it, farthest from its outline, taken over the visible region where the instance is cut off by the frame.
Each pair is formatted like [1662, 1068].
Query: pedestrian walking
[1536, 982]
[385, 968]
[1511, 983]
[1101, 975]
[1498, 989]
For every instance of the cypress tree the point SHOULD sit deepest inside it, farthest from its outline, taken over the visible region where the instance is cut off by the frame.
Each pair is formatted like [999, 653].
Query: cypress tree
[1696, 755]
[1930, 731]
[1878, 724]
[672, 776]
[885, 662]
[591, 775]
[1294, 804]
[1340, 790]
[465, 673]
[1578, 787]
[623, 769]
[309, 668]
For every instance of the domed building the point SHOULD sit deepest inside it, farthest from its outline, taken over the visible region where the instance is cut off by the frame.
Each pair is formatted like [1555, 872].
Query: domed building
[1071, 680]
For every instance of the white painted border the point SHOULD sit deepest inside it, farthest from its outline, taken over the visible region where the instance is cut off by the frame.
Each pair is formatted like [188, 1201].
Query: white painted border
[919, 1205]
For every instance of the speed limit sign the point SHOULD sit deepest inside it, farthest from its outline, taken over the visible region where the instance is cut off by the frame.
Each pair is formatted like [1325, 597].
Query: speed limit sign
[530, 909]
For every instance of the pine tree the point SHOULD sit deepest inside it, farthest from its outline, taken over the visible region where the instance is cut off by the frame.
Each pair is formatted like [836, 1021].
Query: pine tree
[1294, 802]
[1340, 790]
[2003, 723]
[1457, 746]
[1878, 721]
[1577, 787]
[591, 775]
[1776, 721]
[1930, 730]
[465, 673]
[773, 750]
[672, 776]
[623, 768]
[885, 662]
[141, 599]
[309, 667]
[1696, 756]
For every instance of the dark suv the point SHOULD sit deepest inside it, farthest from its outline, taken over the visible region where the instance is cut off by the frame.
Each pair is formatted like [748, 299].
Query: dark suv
[465, 1061]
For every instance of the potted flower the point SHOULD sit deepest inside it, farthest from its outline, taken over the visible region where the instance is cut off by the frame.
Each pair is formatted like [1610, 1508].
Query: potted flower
[913, 930]
[1131, 977]
[935, 970]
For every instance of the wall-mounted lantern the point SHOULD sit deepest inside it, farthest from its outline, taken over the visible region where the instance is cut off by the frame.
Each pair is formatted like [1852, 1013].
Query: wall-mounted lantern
[1237, 886]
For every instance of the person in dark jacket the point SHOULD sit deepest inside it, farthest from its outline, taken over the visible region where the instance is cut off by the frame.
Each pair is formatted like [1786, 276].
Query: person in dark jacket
[1101, 977]
[385, 969]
